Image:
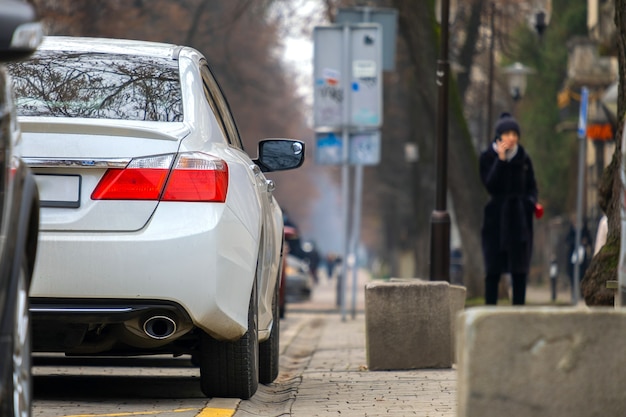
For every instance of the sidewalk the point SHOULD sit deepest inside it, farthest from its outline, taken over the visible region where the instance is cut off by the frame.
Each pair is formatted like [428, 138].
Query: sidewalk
[336, 380]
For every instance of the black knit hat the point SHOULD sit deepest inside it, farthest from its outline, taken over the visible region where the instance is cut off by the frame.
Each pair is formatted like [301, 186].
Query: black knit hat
[506, 123]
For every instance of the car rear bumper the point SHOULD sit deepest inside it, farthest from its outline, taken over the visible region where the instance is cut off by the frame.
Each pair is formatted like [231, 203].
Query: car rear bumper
[195, 256]
[96, 326]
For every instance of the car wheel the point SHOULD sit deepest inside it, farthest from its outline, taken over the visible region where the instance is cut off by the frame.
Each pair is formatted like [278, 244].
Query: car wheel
[268, 350]
[20, 383]
[231, 369]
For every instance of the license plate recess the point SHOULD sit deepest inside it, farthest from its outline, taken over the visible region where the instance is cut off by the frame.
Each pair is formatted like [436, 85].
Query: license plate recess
[57, 190]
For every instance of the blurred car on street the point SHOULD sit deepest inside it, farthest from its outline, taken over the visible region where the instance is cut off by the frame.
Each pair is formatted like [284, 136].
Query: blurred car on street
[305, 250]
[20, 34]
[159, 232]
[299, 280]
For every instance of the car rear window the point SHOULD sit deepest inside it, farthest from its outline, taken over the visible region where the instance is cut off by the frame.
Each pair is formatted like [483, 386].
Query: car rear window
[98, 86]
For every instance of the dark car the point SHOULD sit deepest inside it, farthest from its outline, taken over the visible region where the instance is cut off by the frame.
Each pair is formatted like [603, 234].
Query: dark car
[19, 220]
[303, 249]
[299, 280]
[298, 277]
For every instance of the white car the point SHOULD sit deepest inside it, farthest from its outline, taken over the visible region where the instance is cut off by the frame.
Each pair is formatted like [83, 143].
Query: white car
[159, 234]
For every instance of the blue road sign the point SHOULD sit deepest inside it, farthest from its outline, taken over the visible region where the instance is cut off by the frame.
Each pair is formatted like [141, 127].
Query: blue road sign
[582, 117]
[329, 149]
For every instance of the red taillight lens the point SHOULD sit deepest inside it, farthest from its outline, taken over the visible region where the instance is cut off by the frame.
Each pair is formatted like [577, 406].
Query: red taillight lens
[130, 184]
[194, 177]
[197, 177]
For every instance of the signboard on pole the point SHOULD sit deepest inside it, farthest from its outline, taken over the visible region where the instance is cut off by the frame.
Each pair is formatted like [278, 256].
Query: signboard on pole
[367, 76]
[365, 148]
[328, 89]
[386, 18]
[364, 77]
[600, 131]
[328, 149]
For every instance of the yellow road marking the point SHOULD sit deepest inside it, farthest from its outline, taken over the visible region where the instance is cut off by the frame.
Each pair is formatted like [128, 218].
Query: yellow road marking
[206, 412]
[216, 412]
[134, 413]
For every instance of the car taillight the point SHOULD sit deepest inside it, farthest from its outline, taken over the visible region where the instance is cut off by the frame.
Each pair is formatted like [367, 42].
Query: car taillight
[142, 179]
[197, 177]
[194, 177]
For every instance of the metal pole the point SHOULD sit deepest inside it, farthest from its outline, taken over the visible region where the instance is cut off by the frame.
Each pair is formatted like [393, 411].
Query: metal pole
[620, 296]
[582, 151]
[345, 170]
[440, 219]
[582, 148]
[366, 14]
[356, 214]
[356, 226]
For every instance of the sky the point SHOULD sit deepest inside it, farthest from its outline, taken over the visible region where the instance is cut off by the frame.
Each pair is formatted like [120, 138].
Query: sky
[299, 55]
[299, 17]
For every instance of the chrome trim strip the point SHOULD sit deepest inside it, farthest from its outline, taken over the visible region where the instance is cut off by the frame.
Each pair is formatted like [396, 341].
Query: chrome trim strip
[76, 163]
[80, 310]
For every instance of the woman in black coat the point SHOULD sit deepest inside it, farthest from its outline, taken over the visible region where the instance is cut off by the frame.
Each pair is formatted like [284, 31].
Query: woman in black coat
[507, 232]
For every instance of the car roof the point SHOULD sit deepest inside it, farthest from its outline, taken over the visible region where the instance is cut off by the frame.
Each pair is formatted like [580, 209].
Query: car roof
[110, 45]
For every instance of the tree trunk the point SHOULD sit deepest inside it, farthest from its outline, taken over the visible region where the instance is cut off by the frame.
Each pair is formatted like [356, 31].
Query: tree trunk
[416, 29]
[603, 266]
[417, 69]
[468, 196]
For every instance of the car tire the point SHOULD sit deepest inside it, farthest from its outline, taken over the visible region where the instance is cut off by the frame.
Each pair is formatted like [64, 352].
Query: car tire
[269, 349]
[19, 386]
[231, 369]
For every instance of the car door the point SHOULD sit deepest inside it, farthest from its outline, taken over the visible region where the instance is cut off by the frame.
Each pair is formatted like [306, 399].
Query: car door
[271, 232]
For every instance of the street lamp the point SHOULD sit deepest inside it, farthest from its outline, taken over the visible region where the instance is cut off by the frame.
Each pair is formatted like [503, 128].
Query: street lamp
[440, 218]
[516, 77]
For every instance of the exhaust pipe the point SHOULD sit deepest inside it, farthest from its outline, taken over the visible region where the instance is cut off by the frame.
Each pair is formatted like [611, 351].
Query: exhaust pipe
[159, 327]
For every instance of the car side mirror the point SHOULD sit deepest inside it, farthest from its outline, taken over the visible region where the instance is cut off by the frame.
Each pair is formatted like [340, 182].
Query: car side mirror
[280, 154]
[20, 31]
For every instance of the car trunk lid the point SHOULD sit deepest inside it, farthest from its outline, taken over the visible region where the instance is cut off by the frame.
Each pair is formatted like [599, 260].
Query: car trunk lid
[69, 158]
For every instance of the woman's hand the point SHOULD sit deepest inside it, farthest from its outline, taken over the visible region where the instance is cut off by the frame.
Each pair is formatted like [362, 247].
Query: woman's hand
[501, 148]
[508, 140]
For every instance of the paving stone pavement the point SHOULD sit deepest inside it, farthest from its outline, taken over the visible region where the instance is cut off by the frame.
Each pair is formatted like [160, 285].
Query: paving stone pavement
[336, 380]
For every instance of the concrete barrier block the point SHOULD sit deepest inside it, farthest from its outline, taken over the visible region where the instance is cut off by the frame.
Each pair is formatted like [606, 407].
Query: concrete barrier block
[408, 324]
[457, 295]
[541, 361]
